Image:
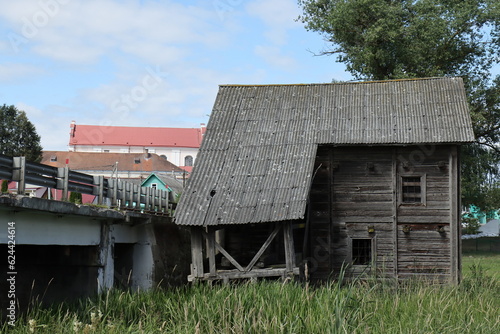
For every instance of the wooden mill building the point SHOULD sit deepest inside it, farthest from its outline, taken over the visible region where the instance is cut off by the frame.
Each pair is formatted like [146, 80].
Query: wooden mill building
[311, 178]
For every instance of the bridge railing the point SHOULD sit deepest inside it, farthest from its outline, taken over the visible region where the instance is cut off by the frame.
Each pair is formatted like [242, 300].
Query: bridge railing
[122, 194]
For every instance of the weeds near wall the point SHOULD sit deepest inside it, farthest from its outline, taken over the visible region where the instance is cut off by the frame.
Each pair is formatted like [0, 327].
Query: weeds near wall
[278, 307]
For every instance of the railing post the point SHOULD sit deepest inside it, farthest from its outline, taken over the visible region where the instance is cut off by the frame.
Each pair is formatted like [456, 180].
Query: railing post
[62, 182]
[136, 196]
[130, 194]
[153, 199]
[99, 189]
[19, 174]
[148, 200]
[113, 184]
[165, 201]
[121, 195]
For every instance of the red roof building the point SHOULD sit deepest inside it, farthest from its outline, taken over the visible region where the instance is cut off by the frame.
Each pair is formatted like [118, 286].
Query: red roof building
[122, 165]
[177, 145]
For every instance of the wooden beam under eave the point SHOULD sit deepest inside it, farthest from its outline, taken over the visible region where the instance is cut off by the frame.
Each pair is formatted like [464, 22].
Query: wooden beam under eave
[455, 238]
[196, 252]
[289, 247]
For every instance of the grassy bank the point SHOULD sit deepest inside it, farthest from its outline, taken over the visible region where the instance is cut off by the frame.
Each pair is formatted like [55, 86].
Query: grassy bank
[274, 307]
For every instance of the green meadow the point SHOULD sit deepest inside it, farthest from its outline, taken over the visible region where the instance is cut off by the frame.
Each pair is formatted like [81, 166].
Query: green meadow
[288, 307]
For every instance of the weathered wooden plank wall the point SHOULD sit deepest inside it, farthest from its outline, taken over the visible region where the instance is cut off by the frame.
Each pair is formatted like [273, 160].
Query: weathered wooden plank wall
[357, 189]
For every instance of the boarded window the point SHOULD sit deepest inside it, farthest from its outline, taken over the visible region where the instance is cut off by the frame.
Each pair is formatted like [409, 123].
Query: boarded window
[361, 251]
[412, 189]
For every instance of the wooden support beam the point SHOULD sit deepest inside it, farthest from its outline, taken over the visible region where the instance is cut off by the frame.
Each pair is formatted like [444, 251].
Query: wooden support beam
[289, 247]
[197, 251]
[226, 275]
[455, 228]
[262, 249]
[395, 194]
[225, 253]
[211, 251]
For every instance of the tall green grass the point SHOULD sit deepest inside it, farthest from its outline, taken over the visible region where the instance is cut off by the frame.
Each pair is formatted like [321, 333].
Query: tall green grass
[277, 307]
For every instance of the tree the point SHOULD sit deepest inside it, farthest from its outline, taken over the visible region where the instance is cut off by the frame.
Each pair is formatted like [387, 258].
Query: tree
[18, 136]
[395, 39]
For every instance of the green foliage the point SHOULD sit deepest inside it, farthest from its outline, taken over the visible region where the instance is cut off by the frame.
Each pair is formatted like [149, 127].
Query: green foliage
[18, 136]
[470, 225]
[75, 197]
[276, 307]
[5, 186]
[383, 39]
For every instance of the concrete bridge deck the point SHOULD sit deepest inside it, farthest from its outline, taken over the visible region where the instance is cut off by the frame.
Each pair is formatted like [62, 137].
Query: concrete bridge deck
[60, 250]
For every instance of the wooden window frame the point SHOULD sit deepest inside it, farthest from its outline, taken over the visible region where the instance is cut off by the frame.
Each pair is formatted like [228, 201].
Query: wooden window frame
[423, 190]
[373, 250]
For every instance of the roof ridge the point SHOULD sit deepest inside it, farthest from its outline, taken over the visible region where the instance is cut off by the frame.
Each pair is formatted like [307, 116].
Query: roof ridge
[340, 82]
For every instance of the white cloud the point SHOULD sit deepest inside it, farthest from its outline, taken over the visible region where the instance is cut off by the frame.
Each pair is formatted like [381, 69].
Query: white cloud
[31, 112]
[83, 31]
[278, 15]
[273, 56]
[12, 72]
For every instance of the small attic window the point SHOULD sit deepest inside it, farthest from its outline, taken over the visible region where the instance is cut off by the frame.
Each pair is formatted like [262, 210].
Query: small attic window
[53, 158]
[137, 160]
[413, 189]
[154, 185]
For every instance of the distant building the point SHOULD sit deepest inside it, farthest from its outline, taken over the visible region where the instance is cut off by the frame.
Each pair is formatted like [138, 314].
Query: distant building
[121, 165]
[177, 145]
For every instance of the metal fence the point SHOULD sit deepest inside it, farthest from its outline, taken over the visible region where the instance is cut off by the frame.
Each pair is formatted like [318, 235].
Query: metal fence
[122, 194]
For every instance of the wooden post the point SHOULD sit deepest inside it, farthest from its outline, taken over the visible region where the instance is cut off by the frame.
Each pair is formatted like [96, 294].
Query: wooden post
[455, 239]
[289, 247]
[196, 252]
[211, 251]
[395, 193]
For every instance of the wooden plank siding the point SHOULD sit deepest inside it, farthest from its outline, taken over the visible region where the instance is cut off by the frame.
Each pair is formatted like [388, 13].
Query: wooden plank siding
[359, 188]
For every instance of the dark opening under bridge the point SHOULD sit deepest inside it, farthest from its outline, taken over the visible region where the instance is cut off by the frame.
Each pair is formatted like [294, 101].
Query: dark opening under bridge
[62, 251]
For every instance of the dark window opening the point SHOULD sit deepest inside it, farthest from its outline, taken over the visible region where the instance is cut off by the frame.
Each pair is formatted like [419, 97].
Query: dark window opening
[188, 161]
[361, 251]
[412, 189]
[137, 160]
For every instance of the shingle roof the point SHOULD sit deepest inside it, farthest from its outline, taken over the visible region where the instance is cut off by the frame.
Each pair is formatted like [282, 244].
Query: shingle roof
[135, 136]
[257, 157]
[88, 161]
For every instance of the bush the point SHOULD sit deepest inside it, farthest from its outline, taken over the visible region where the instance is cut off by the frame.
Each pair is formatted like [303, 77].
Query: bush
[75, 197]
[5, 186]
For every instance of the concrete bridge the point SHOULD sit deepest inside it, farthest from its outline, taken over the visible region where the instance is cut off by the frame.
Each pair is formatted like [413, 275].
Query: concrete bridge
[57, 250]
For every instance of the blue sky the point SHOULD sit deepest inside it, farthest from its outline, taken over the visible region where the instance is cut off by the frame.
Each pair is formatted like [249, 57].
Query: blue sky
[147, 63]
